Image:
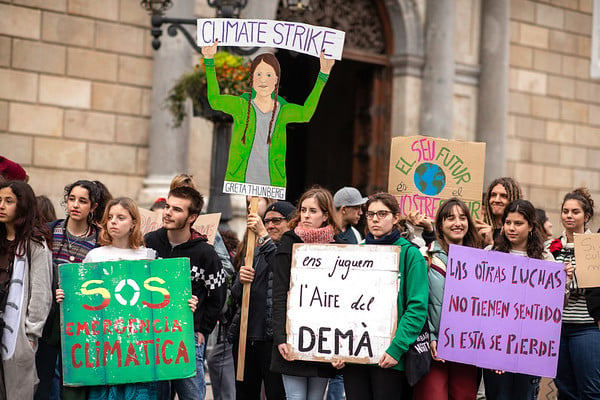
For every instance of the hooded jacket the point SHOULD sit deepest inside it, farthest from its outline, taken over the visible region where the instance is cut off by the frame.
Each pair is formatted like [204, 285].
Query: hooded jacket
[207, 274]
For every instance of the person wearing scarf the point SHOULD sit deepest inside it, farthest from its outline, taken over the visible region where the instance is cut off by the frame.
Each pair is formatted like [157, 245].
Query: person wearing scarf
[315, 222]
[387, 380]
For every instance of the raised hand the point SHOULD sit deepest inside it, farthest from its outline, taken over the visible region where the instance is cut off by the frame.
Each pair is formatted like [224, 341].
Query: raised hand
[210, 51]
[326, 63]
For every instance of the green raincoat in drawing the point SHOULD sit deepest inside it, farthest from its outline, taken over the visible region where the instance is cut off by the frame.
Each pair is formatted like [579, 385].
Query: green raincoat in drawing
[237, 107]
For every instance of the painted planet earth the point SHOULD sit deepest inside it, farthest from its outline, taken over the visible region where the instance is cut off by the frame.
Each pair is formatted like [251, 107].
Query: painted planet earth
[429, 179]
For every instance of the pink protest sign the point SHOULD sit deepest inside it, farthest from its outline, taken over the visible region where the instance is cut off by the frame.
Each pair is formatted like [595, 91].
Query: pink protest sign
[502, 311]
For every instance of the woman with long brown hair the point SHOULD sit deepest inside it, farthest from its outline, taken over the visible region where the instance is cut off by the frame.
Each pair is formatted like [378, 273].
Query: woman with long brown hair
[446, 379]
[25, 283]
[315, 222]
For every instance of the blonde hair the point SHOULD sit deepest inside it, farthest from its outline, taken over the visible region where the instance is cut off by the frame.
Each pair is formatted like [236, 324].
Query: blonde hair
[135, 238]
[183, 180]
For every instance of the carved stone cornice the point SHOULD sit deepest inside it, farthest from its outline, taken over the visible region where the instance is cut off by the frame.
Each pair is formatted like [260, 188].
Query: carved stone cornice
[358, 18]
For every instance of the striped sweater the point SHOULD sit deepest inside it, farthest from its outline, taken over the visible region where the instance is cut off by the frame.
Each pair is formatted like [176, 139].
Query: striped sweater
[575, 310]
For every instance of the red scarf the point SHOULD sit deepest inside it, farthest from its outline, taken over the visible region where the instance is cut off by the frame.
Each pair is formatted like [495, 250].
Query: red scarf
[319, 235]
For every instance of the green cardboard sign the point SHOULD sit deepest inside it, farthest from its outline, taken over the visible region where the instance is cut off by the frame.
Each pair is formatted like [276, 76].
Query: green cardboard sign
[126, 321]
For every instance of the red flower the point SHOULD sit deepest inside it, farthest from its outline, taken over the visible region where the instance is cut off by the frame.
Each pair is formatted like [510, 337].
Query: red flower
[555, 246]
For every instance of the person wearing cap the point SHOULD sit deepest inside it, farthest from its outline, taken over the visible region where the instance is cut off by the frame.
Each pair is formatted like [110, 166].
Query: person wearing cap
[348, 203]
[259, 337]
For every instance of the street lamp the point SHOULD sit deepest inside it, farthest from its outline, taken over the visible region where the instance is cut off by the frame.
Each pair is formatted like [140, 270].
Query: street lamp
[225, 9]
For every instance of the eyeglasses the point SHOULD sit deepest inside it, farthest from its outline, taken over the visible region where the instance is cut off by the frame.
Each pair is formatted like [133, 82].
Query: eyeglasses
[274, 220]
[381, 214]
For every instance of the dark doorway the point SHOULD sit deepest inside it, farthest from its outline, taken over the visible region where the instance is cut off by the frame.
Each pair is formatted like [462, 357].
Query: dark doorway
[339, 146]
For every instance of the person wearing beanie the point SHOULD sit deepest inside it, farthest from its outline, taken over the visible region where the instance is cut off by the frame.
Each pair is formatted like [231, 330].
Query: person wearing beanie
[12, 171]
[259, 338]
[348, 204]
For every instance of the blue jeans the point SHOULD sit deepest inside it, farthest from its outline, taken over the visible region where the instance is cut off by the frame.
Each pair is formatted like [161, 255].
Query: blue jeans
[193, 388]
[336, 388]
[578, 375]
[304, 388]
[510, 386]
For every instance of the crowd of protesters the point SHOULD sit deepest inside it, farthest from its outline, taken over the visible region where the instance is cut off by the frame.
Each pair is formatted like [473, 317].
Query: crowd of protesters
[33, 245]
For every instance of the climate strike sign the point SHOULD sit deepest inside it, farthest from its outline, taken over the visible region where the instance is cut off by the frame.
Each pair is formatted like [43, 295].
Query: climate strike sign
[425, 171]
[295, 36]
[502, 311]
[126, 321]
[342, 302]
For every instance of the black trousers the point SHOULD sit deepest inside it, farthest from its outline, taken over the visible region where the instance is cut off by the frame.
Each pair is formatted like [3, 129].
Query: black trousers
[367, 382]
[257, 369]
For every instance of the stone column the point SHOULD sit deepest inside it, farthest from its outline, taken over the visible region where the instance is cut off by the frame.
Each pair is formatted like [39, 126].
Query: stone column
[437, 93]
[492, 107]
[168, 146]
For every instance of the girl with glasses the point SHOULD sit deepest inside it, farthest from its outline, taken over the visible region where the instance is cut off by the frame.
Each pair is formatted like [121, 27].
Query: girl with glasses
[386, 380]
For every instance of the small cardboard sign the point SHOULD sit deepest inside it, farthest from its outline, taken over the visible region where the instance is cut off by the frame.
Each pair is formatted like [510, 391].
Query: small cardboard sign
[342, 303]
[502, 311]
[426, 171]
[126, 321]
[587, 254]
[206, 224]
[295, 36]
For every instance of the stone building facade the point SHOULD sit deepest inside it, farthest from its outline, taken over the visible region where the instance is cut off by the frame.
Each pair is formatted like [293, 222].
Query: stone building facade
[82, 91]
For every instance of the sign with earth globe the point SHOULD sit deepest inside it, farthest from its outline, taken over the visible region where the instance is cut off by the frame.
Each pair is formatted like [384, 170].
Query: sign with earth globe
[429, 179]
[426, 171]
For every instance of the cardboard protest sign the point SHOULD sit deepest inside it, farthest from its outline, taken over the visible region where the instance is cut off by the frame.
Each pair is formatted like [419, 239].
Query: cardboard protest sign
[126, 321]
[587, 254]
[342, 302]
[425, 171]
[207, 224]
[295, 36]
[502, 311]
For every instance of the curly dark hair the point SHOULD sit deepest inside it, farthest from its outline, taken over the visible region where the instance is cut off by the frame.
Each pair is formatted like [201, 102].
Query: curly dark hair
[513, 192]
[98, 194]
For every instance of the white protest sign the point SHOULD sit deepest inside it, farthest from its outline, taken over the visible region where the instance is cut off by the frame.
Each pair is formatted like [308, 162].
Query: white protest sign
[342, 303]
[295, 36]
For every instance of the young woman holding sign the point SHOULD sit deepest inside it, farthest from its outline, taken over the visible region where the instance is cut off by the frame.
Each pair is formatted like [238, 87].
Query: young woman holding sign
[121, 239]
[446, 379]
[25, 284]
[387, 380]
[314, 223]
[521, 234]
[578, 375]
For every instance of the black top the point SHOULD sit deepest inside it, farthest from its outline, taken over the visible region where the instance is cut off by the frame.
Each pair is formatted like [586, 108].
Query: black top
[207, 274]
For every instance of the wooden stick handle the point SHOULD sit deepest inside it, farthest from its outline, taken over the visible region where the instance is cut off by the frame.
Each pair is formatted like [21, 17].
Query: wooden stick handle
[246, 297]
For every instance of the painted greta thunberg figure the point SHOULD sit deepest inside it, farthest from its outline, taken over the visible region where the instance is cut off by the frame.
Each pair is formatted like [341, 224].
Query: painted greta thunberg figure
[260, 118]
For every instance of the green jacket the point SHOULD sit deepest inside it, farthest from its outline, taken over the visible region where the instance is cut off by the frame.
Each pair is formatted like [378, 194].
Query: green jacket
[411, 320]
[237, 107]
